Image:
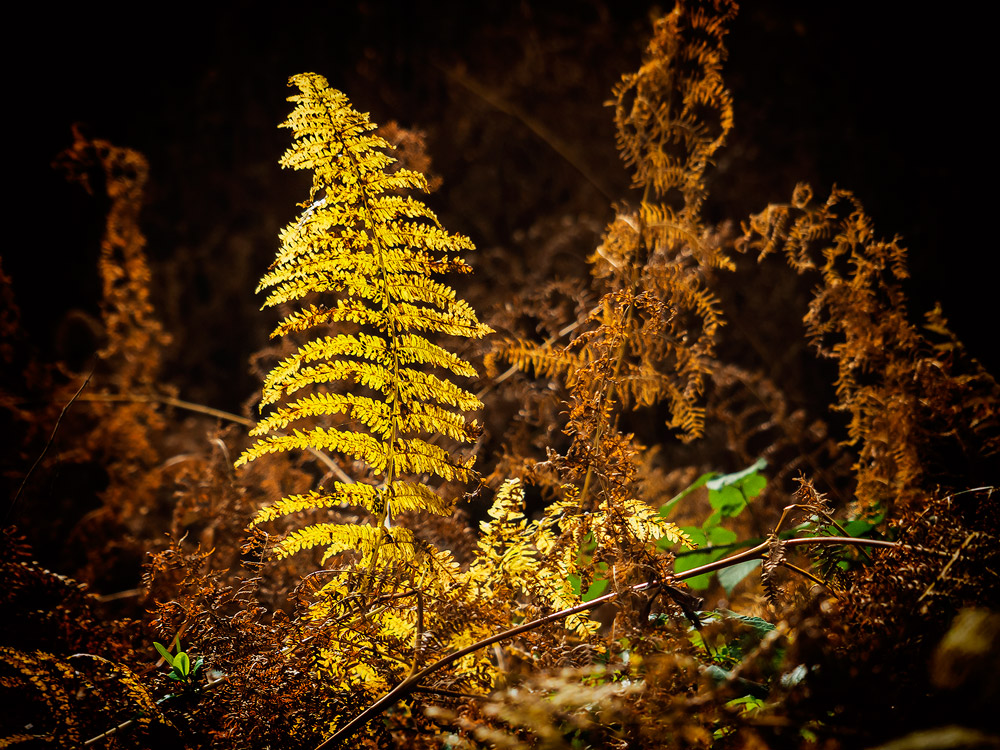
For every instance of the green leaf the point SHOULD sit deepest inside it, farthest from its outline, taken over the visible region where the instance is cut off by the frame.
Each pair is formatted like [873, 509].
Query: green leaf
[596, 589]
[753, 485]
[728, 500]
[697, 535]
[750, 703]
[718, 536]
[857, 528]
[699, 583]
[730, 577]
[164, 653]
[727, 479]
[761, 627]
[667, 508]
[688, 562]
[574, 582]
[715, 537]
[183, 664]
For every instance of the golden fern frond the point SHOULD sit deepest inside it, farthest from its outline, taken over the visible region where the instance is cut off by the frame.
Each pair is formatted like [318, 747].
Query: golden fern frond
[373, 251]
[49, 682]
[361, 495]
[337, 538]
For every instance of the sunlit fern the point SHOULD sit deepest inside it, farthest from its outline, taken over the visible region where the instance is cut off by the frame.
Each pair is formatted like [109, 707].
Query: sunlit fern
[371, 252]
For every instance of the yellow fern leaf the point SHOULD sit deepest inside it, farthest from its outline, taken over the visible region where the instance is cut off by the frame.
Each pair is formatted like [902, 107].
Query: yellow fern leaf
[365, 254]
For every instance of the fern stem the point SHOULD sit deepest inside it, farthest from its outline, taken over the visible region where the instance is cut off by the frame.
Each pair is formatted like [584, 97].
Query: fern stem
[606, 397]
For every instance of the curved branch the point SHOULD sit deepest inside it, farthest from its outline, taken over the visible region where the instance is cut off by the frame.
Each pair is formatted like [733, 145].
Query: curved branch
[408, 685]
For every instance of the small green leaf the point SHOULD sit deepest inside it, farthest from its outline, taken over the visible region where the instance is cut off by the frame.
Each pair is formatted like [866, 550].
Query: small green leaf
[857, 528]
[719, 537]
[730, 577]
[727, 479]
[715, 537]
[750, 703]
[712, 521]
[728, 500]
[697, 535]
[574, 582]
[183, 664]
[688, 562]
[753, 485]
[596, 589]
[164, 653]
[761, 626]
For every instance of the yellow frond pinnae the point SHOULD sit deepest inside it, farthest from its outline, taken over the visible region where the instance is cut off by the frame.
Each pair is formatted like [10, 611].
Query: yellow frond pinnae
[362, 495]
[404, 496]
[379, 392]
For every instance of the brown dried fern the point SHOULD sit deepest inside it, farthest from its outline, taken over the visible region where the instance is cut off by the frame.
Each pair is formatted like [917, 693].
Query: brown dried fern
[915, 405]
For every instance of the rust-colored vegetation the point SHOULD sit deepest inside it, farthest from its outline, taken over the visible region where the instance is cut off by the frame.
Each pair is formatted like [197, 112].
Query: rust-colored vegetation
[608, 515]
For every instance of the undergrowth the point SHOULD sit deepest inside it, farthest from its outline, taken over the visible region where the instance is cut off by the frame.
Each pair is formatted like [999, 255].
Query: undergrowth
[580, 523]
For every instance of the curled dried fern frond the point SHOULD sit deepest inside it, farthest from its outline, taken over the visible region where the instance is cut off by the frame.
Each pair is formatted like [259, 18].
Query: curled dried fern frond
[914, 403]
[674, 113]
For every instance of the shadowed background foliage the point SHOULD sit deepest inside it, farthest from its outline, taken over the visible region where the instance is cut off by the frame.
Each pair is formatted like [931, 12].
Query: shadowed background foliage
[881, 101]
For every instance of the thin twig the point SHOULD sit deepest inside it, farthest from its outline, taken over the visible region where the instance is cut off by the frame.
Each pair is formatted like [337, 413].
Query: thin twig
[212, 412]
[170, 401]
[818, 581]
[564, 150]
[52, 436]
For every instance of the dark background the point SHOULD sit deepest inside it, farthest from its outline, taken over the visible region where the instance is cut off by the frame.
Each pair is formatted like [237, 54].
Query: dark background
[890, 104]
